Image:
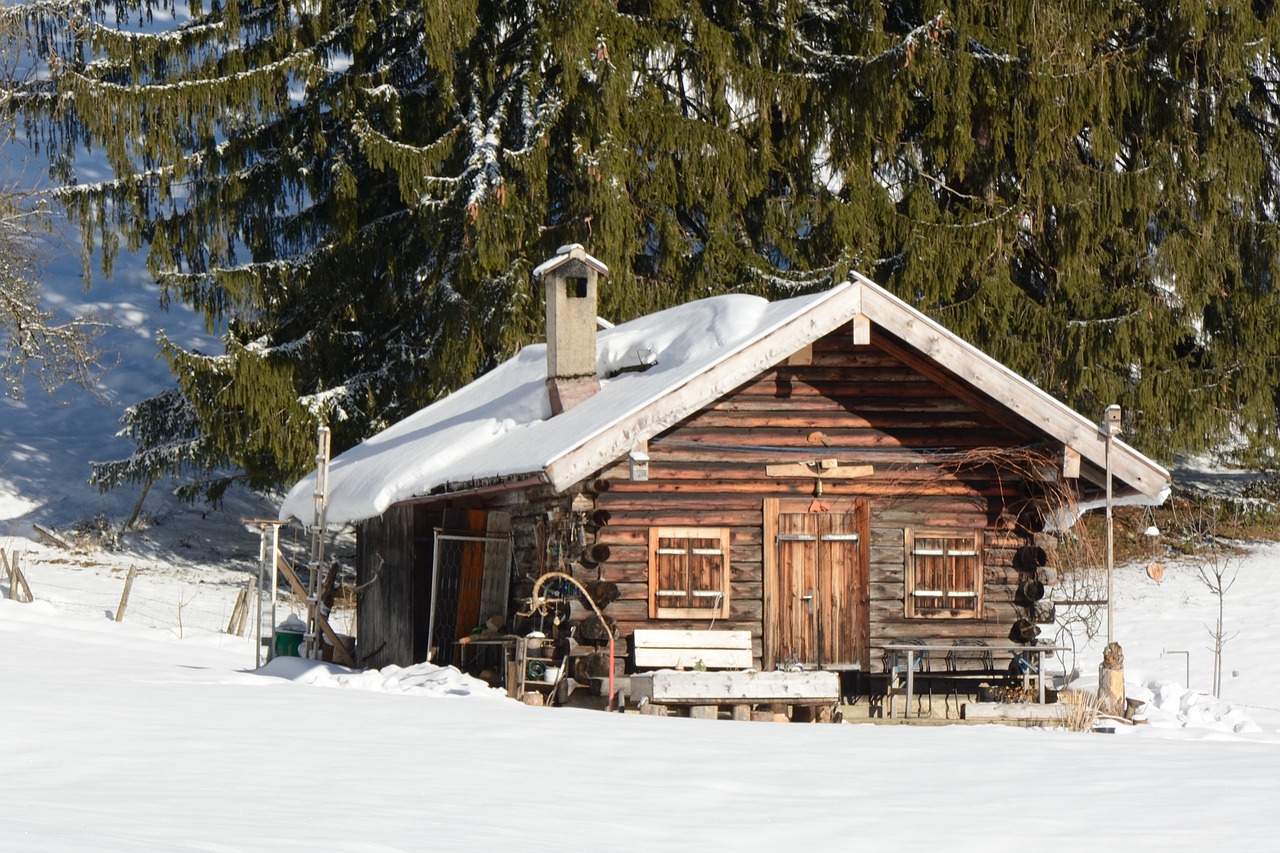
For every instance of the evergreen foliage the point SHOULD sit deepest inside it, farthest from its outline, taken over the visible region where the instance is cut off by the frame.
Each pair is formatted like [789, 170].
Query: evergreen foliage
[35, 343]
[357, 190]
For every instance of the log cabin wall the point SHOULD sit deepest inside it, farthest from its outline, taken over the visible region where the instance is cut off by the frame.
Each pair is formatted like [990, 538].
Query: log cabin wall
[394, 555]
[385, 553]
[859, 405]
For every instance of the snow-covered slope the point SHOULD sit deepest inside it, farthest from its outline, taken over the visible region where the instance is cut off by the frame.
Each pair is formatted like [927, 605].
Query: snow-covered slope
[144, 735]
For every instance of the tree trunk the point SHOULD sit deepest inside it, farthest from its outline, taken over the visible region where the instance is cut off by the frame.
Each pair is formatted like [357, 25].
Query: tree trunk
[1111, 681]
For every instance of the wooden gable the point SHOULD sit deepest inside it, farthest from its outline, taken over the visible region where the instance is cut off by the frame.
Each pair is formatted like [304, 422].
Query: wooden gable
[841, 425]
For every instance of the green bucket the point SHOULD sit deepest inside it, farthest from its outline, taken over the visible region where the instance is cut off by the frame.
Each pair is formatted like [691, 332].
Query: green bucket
[288, 644]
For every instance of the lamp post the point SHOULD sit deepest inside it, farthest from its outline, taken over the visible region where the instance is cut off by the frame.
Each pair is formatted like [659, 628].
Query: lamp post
[1110, 429]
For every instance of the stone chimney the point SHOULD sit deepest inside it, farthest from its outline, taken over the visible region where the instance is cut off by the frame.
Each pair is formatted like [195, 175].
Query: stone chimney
[570, 282]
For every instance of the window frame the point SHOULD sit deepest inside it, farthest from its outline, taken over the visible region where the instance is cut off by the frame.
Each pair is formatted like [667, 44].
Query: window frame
[958, 543]
[658, 593]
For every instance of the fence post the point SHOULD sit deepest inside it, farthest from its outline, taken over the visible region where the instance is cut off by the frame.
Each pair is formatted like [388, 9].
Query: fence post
[233, 626]
[13, 581]
[254, 593]
[16, 578]
[124, 596]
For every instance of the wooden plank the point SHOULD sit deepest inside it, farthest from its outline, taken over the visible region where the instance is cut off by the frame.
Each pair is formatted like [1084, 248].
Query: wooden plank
[1015, 712]
[52, 538]
[471, 577]
[497, 568]
[861, 328]
[341, 653]
[689, 658]
[736, 687]
[805, 469]
[299, 589]
[661, 639]
[868, 405]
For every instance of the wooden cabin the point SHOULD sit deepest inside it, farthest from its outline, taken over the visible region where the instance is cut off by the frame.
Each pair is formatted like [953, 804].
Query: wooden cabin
[827, 473]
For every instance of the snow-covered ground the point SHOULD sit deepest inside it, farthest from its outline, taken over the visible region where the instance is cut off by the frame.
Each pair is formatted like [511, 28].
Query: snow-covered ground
[158, 733]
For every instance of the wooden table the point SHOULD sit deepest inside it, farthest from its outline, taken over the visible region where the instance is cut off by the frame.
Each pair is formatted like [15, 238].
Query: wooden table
[914, 652]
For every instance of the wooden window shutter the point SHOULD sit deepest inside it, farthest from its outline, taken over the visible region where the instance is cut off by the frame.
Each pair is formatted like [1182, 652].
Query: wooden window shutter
[688, 572]
[944, 574]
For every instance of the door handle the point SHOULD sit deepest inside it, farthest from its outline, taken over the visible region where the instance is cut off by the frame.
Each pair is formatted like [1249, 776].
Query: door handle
[808, 598]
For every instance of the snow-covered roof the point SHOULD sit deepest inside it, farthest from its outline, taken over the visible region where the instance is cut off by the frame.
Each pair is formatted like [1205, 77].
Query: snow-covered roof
[500, 427]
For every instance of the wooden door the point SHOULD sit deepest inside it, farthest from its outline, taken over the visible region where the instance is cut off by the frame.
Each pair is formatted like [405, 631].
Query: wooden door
[816, 584]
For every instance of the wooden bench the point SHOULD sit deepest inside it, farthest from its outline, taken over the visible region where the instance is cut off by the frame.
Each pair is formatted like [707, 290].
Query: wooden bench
[700, 671]
[660, 649]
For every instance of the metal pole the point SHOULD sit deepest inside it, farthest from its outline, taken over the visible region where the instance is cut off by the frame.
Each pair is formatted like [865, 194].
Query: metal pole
[1111, 426]
[321, 496]
[435, 594]
[1110, 552]
[262, 564]
[275, 581]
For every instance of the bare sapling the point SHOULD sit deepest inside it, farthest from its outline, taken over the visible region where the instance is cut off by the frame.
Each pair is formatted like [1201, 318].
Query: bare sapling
[183, 601]
[1217, 567]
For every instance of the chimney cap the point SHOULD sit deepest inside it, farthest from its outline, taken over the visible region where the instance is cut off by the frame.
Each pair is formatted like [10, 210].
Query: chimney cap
[565, 254]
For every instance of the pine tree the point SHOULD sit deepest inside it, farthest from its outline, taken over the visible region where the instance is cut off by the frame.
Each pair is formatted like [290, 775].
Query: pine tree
[35, 342]
[355, 191]
[1086, 190]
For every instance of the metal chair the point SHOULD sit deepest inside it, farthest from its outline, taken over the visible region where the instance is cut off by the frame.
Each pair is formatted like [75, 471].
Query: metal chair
[895, 669]
[967, 652]
[967, 658]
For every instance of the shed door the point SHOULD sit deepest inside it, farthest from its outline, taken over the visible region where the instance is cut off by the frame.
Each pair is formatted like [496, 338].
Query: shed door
[816, 585]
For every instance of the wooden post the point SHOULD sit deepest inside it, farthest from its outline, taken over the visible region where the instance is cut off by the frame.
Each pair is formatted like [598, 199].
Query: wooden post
[1111, 681]
[13, 581]
[16, 579]
[124, 596]
[236, 610]
[251, 592]
[22, 581]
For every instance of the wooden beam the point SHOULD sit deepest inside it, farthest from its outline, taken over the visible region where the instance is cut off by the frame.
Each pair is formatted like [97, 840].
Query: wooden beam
[801, 357]
[1070, 463]
[819, 469]
[861, 330]
[340, 650]
[299, 588]
[52, 538]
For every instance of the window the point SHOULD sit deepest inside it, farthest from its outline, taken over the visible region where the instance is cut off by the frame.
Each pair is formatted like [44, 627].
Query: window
[944, 574]
[688, 572]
